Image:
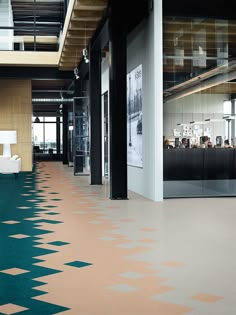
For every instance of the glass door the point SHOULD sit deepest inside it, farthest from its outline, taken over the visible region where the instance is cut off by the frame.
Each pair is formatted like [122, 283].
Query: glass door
[81, 136]
[105, 103]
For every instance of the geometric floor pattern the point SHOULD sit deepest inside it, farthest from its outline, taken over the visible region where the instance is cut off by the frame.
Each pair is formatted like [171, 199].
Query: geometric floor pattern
[19, 203]
[66, 248]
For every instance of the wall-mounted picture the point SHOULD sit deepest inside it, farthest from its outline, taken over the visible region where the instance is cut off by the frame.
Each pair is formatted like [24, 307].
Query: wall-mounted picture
[134, 118]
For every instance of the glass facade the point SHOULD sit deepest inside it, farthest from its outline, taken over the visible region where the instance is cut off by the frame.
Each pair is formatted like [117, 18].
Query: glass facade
[195, 46]
[199, 72]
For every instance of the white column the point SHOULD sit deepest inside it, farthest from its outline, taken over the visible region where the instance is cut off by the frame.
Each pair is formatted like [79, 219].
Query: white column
[158, 100]
[6, 18]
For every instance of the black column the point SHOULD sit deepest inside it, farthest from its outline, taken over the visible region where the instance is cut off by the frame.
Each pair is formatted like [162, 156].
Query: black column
[58, 133]
[117, 94]
[95, 117]
[65, 135]
[65, 8]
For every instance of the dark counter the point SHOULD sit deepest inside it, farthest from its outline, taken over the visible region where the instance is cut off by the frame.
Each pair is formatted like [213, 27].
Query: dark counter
[199, 164]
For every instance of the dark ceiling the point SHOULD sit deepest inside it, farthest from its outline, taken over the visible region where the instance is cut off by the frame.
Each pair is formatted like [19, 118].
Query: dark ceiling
[40, 22]
[40, 19]
[48, 95]
[201, 8]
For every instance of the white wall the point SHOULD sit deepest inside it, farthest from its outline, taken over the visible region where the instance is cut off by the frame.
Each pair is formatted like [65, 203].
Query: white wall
[142, 49]
[105, 88]
[158, 100]
[196, 107]
[143, 44]
[135, 57]
[105, 74]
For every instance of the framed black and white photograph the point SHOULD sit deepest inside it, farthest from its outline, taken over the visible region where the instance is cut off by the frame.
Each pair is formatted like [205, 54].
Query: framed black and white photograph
[134, 118]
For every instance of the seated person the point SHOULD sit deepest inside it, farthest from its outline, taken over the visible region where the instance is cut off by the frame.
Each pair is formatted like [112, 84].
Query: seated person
[226, 144]
[207, 140]
[167, 144]
[184, 143]
[36, 149]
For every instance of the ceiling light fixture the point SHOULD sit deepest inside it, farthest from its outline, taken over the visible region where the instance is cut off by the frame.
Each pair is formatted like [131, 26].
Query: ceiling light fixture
[37, 120]
[229, 117]
[76, 73]
[198, 122]
[180, 124]
[214, 120]
[85, 51]
[85, 54]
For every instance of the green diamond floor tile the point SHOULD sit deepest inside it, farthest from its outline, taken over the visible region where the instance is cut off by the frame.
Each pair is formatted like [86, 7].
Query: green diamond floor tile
[78, 264]
[58, 243]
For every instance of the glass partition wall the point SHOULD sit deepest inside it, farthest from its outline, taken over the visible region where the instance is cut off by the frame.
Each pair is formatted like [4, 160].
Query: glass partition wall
[81, 141]
[199, 73]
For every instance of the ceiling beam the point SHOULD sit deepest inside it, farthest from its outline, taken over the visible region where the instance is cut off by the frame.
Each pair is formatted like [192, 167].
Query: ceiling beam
[80, 33]
[98, 5]
[40, 73]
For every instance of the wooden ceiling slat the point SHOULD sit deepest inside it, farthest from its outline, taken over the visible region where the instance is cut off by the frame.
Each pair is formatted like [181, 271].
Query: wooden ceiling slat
[82, 41]
[82, 25]
[66, 49]
[76, 37]
[70, 64]
[69, 59]
[74, 44]
[79, 33]
[68, 54]
[90, 13]
[85, 17]
[90, 7]
[94, 4]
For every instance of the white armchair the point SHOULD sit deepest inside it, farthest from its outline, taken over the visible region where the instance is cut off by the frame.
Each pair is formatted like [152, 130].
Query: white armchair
[10, 165]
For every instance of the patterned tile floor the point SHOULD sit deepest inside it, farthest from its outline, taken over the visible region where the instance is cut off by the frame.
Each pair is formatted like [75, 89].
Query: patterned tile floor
[67, 249]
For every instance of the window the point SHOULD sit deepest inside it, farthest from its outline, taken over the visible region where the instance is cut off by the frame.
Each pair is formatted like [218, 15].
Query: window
[45, 134]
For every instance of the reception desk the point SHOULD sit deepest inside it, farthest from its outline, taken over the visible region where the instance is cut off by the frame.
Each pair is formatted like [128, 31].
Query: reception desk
[199, 164]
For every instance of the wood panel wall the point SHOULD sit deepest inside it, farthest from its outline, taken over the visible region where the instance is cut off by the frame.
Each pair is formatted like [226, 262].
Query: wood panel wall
[16, 114]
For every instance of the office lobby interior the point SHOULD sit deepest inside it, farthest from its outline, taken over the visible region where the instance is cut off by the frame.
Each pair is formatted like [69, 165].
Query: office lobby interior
[101, 218]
